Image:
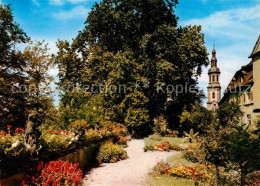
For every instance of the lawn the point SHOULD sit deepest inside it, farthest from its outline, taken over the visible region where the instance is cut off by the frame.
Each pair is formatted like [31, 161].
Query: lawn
[159, 180]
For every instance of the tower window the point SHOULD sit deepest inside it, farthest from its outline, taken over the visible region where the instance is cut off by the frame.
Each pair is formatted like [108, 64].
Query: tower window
[213, 78]
[249, 120]
[217, 78]
[213, 95]
[210, 79]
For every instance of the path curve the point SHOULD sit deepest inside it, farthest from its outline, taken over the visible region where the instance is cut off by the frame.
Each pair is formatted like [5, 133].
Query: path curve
[130, 172]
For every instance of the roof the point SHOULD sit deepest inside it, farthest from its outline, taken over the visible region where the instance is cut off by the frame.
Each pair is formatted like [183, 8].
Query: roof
[256, 49]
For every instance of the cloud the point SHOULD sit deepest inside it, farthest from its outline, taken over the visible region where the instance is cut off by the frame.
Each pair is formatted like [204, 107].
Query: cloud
[36, 2]
[76, 1]
[234, 23]
[235, 32]
[61, 2]
[57, 2]
[77, 12]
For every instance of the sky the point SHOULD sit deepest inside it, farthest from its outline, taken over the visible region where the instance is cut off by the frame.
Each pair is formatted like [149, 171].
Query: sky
[233, 25]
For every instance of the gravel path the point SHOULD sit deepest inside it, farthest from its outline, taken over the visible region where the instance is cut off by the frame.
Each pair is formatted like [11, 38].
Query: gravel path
[130, 172]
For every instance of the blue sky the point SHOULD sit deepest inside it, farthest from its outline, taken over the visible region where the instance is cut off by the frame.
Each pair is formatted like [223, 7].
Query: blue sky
[234, 25]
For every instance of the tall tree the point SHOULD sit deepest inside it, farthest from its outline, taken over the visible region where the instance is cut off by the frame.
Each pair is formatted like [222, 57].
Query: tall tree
[13, 101]
[137, 43]
[38, 59]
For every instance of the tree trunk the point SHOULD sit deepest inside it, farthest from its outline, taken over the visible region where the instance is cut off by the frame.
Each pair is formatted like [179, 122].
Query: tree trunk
[190, 140]
[217, 175]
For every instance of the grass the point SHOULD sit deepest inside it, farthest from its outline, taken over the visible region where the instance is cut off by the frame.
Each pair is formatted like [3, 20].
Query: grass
[179, 160]
[164, 180]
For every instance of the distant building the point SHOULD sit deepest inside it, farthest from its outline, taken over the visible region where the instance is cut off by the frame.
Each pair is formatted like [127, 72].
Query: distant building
[244, 88]
[214, 88]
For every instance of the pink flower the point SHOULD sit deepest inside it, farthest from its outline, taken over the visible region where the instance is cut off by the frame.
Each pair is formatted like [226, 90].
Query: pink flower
[9, 126]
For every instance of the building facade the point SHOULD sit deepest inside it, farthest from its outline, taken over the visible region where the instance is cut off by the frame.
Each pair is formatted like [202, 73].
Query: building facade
[214, 88]
[244, 87]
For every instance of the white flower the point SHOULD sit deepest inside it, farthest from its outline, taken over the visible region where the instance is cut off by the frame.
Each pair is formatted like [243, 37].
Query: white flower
[15, 144]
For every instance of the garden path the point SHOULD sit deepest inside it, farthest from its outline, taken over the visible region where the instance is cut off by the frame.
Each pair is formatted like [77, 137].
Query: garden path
[130, 172]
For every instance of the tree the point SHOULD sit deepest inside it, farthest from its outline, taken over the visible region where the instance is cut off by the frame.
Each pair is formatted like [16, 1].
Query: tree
[244, 151]
[198, 118]
[39, 63]
[213, 146]
[136, 43]
[13, 102]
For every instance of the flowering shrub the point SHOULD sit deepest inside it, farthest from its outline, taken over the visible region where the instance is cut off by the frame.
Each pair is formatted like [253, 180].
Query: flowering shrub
[116, 129]
[12, 145]
[92, 136]
[162, 168]
[55, 173]
[165, 146]
[58, 139]
[122, 140]
[110, 153]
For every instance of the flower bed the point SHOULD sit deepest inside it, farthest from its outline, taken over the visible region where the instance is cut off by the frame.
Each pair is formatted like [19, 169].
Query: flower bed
[199, 172]
[54, 140]
[166, 146]
[12, 144]
[55, 173]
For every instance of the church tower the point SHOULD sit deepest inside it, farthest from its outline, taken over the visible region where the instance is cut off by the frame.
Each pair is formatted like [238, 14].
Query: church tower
[214, 88]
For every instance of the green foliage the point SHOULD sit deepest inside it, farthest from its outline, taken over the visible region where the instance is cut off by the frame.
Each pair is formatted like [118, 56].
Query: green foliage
[190, 156]
[132, 43]
[243, 151]
[155, 137]
[190, 136]
[229, 114]
[198, 118]
[13, 109]
[110, 153]
[160, 125]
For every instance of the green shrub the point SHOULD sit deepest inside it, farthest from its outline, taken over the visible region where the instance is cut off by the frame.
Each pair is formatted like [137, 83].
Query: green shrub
[110, 153]
[190, 156]
[155, 137]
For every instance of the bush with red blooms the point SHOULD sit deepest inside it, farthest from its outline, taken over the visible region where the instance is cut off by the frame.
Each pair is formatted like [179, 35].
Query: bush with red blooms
[55, 173]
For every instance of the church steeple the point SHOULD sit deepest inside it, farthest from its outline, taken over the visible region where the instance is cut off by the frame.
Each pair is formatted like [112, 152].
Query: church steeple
[214, 58]
[214, 88]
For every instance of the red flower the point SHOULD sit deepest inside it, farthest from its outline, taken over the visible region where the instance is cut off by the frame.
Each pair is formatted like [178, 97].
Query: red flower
[19, 130]
[3, 133]
[23, 182]
[55, 132]
[9, 126]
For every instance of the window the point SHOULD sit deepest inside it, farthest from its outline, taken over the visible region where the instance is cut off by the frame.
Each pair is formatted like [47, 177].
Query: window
[251, 96]
[249, 121]
[213, 95]
[217, 78]
[213, 78]
[210, 79]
